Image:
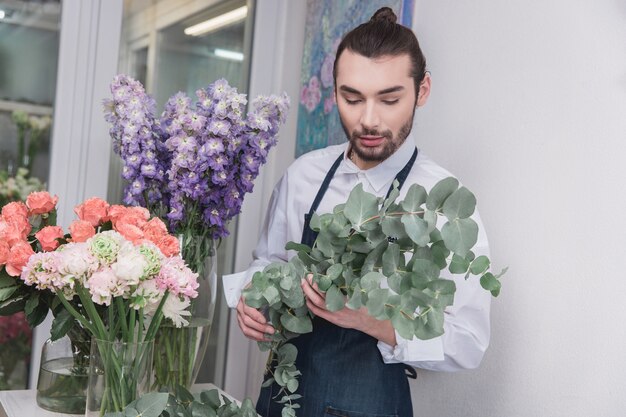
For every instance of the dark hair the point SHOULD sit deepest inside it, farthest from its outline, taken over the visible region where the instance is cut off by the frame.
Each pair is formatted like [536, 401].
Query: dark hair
[382, 36]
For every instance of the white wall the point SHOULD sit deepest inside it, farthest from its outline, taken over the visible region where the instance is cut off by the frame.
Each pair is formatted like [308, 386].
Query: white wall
[528, 108]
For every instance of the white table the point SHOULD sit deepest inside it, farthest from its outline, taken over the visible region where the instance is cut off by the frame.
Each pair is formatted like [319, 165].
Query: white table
[23, 403]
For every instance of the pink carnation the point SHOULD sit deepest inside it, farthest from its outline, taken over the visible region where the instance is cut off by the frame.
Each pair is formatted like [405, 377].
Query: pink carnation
[48, 236]
[177, 278]
[93, 210]
[81, 230]
[15, 210]
[18, 257]
[41, 202]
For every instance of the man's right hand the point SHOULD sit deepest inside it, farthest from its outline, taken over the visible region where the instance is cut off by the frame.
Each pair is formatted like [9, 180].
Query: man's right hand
[252, 322]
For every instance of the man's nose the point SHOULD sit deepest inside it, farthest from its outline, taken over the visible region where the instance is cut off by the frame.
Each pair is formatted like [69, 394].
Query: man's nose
[369, 117]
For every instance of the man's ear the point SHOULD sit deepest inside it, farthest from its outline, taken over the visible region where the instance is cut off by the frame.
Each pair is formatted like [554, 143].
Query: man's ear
[424, 90]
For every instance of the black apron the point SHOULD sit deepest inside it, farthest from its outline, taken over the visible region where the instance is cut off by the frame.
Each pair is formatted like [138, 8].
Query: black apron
[343, 373]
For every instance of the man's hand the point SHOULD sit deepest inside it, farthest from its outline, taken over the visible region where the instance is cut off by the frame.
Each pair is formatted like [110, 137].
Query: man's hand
[252, 322]
[346, 317]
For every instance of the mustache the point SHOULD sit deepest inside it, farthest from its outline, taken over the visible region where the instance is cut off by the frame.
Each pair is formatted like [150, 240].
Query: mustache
[371, 132]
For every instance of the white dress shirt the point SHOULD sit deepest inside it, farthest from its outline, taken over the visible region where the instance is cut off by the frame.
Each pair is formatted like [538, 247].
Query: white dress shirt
[466, 322]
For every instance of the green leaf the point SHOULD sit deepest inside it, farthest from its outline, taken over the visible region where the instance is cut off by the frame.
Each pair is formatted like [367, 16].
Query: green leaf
[152, 404]
[425, 269]
[298, 247]
[334, 271]
[272, 295]
[335, 300]
[32, 303]
[395, 192]
[7, 292]
[182, 394]
[292, 385]
[403, 324]
[6, 280]
[399, 282]
[356, 299]
[374, 257]
[371, 281]
[391, 259]
[376, 300]
[460, 204]
[491, 283]
[287, 354]
[211, 397]
[296, 324]
[360, 207]
[38, 315]
[460, 235]
[314, 224]
[61, 324]
[440, 192]
[392, 226]
[324, 282]
[416, 228]
[415, 197]
[131, 411]
[458, 265]
[200, 410]
[430, 326]
[479, 265]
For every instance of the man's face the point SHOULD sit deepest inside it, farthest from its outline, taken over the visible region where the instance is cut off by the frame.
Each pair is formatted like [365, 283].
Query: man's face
[376, 102]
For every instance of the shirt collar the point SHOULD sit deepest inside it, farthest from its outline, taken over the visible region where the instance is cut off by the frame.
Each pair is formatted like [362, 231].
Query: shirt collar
[383, 173]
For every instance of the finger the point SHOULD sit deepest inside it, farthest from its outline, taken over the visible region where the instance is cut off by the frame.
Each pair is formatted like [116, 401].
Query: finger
[254, 313]
[315, 297]
[323, 313]
[251, 333]
[252, 323]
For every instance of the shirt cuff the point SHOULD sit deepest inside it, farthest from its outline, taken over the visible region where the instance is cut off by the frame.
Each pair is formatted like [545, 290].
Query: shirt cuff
[412, 351]
[233, 285]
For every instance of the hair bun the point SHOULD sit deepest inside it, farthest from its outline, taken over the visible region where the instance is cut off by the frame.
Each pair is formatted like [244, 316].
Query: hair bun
[384, 14]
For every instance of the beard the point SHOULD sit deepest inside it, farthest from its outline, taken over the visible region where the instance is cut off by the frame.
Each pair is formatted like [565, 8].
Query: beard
[379, 153]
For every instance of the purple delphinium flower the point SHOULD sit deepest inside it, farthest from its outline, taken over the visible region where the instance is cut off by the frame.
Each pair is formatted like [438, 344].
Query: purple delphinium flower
[197, 161]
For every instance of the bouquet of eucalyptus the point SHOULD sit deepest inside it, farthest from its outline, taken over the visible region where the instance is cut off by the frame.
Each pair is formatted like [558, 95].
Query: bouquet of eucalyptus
[364, 242]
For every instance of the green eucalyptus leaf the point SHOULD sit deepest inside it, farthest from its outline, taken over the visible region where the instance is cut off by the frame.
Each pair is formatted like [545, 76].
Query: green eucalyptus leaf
[296, 324]
[399, 282]
[460, 205]
[324, 282]
[415, 197]
[403, 324]
[360, 207]
[440, 192]
[272, 295]
[152, 404]
[426, 269]
[479, 265]
[287, 354]
[431, 326]
[211, 397]
[430, 217]
[371, 281]
[416, 228]
[335, 300]
[460, 235]
[292, 385]
[374, 257]
[131, 411]
[458, 264]
[355, 301]
[392, 227]
[201, 410]
[491, 283]
[334, 271]
[391, 259]
[314, 224]
[393, 195]
[376, 300]
[298, 247]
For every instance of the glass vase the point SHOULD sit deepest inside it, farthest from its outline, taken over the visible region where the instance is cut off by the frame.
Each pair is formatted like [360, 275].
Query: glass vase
[119, 373]
[62, 383]
[179, 351]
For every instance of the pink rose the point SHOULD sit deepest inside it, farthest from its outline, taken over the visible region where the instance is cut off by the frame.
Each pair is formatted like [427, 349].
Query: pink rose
[93, 210]
[4, 252]
[130, 232]
[40, 202]
[154, 230]
[168, 245]
[18, 257]
[48, 236]
[15, 210]
[81, 230]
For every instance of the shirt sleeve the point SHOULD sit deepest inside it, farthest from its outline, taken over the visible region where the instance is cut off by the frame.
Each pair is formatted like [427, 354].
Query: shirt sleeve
[270, 246]
[466, 327]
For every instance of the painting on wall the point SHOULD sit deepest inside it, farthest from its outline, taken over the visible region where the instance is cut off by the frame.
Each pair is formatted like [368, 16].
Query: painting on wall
[327, 22]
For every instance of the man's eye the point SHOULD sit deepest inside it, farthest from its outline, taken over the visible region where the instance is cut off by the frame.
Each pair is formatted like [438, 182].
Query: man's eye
[390, 102]
[352, 102]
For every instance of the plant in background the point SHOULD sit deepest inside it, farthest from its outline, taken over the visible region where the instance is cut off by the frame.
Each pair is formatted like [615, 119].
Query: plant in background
[363, 243]
[15, 339]
[17, 188]
[30, 131]
[192, 167]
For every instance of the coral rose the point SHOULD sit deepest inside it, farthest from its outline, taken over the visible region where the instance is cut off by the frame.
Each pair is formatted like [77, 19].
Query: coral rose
[48, 236]
[169, 245]
[15, 230]
[40, 202]
[154, 230]
[94, 210]
[130, 232]
[18, 257]
[4, 252]
[15, 210]
[81, 230]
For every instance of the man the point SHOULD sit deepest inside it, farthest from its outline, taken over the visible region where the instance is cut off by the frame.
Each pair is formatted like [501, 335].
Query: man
[353, 364]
